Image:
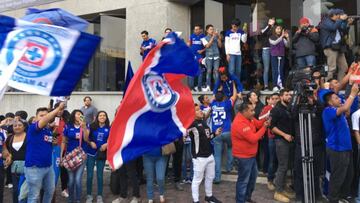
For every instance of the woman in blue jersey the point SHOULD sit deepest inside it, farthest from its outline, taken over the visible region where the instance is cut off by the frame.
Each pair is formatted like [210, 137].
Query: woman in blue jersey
[96, 151]
[75, 130]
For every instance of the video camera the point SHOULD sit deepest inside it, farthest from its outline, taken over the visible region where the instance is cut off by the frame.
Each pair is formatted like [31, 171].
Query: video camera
[302, 82]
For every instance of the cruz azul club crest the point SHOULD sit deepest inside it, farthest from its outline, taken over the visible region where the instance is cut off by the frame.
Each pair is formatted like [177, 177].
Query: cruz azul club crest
[158, 92]
[42, 56]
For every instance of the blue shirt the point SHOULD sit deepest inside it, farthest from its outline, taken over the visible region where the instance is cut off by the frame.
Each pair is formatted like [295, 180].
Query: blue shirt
[196, 44]
[148, 45]
[228, 85]
[336, 130]
[100, 137]
[221, 115]
[72, 134]
[2, 141]
[38, 146]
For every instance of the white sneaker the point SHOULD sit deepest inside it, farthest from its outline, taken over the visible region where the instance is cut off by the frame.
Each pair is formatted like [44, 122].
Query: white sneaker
[118, 200]
[10, 185]
[151, 201]
[99, 199]
[196, 89]
[275, 89]
[206, 89]
[134, 200]
[65, 194]
[89, 199]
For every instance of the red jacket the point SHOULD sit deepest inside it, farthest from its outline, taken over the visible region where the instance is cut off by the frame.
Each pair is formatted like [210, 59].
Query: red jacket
[244, 136]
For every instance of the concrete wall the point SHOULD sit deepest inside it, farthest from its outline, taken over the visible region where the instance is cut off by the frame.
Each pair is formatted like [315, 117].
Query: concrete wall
[151, 15]
[107, 101]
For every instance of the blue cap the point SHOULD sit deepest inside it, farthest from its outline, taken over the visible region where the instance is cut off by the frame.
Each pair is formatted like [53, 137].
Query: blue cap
[336, 11]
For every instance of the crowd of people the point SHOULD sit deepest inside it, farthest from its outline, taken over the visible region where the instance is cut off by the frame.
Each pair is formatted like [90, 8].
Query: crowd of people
[231, 130]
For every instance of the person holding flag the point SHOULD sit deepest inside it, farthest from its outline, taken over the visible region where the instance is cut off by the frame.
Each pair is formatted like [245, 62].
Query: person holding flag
[38, 157]
[203, 159]
[157, 94]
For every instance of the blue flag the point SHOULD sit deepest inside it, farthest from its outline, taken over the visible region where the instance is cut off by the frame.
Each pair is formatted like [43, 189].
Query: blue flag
[129, 76]
[47, 59]
[56, 16]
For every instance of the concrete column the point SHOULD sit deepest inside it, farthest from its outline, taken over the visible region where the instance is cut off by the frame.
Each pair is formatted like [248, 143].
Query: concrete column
[154, 18]
[312, 10]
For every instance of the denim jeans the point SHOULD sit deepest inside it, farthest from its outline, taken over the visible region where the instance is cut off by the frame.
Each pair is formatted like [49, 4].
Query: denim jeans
[74, 185]
[191, 80]
[272, 160]
[277, 70]
[218, 147]
[90, 164]
[247, 173]
[305, 61]
[187, 158]
[235, 65]
[266, 65]
[212, 67]
[37, 179]
[154, 165]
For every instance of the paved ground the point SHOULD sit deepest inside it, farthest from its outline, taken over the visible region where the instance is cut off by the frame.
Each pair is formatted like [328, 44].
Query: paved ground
[224, 192]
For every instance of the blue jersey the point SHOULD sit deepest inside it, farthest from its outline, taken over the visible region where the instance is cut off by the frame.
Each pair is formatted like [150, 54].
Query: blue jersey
[148, 45]
[2, 141]
[38, 147]
[100, 137]
[227, 86]
[336, 130]
[72, 134]
[221, 115]
[196, 44]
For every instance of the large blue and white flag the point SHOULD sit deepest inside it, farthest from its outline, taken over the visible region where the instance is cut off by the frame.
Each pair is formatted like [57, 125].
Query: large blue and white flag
[56, 16]
[49, 59]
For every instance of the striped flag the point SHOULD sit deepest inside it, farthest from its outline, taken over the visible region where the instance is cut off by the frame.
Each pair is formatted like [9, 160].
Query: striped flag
[157, 107]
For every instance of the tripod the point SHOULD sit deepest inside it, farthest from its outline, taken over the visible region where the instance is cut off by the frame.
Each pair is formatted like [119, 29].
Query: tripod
[307, 156]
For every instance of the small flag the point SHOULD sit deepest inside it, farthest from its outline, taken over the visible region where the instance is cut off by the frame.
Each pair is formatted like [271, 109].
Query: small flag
[53, 62]
[129, 76]
[159, 108]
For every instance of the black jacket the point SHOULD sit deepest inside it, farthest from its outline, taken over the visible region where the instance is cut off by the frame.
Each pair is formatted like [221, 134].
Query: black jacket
[200, 134]
[305, 43]
[282, 119]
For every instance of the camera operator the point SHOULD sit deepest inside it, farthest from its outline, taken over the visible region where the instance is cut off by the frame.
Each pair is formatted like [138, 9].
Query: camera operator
[333, 29]
[304, 41]
[338, 144]
[318, 145]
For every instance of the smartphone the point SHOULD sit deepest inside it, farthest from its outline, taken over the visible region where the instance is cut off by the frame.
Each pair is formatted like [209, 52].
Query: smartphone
[57, 121]
[82, 118]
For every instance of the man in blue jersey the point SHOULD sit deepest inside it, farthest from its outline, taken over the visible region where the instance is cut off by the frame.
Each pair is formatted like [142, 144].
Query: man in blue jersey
[39, 173]
[198, 49]
[338, 144]
[221, 115]
[225, 82]
[233, 39]
[147, 44]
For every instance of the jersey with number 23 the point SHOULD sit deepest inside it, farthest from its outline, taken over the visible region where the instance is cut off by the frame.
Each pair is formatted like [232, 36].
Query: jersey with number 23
[221, 115]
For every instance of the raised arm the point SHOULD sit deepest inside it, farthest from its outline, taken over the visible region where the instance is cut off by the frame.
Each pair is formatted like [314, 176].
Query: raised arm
[346, 107]
[50, 116]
